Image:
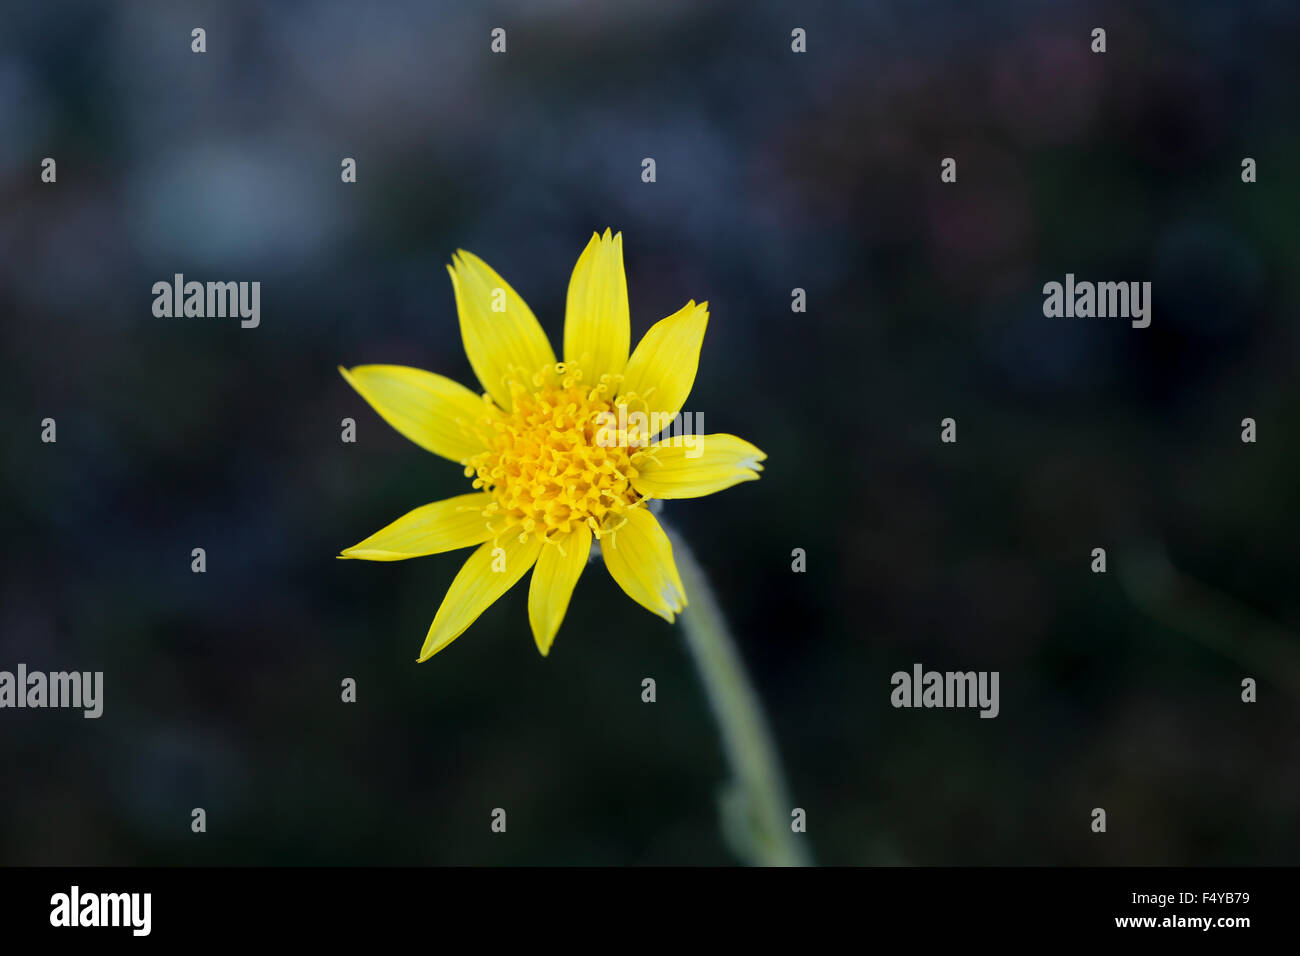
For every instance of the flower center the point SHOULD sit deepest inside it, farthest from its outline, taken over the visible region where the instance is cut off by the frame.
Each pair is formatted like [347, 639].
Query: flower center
[558, 459]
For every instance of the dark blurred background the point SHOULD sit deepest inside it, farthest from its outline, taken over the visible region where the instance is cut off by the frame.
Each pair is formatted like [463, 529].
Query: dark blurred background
[774, 170]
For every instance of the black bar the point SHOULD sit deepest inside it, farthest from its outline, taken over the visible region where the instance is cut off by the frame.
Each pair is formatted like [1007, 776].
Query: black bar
[332, 904]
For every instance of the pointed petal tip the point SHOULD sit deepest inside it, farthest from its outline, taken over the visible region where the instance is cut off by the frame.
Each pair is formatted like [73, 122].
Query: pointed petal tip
[464, 259]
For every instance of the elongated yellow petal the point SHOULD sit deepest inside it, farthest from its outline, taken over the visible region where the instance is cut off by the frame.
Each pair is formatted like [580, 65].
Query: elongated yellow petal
[691, 466]
[439, 415]
[501, 334]
[597, 330]
[662, 369]
[554, 579]
[441, 526]
[640, 559]
[490, 572]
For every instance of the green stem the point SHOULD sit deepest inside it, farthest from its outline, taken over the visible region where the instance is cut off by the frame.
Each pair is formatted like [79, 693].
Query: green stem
[1217, 621]
[756, 812]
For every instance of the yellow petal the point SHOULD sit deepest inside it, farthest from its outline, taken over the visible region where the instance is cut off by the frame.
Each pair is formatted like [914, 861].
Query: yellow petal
[441, 526]
[662, 369]
[436, 413]
[597, 331]
[553, 581]
[501, 334]
[640, 559]
[690, 466]
[490, 572]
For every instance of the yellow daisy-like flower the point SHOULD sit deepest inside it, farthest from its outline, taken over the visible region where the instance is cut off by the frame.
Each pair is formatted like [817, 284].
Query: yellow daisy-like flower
[560, 453]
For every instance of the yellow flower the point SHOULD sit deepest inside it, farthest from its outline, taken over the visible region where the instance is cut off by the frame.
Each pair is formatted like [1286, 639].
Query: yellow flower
[561, 453]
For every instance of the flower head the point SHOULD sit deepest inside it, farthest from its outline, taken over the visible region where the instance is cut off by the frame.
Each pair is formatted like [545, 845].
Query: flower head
[560, 453]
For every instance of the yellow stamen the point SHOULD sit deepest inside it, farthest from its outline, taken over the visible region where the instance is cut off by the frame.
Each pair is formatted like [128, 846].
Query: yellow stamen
[558, 459]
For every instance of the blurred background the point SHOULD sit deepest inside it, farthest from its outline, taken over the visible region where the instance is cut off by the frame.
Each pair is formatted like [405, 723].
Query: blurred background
[775, 170]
